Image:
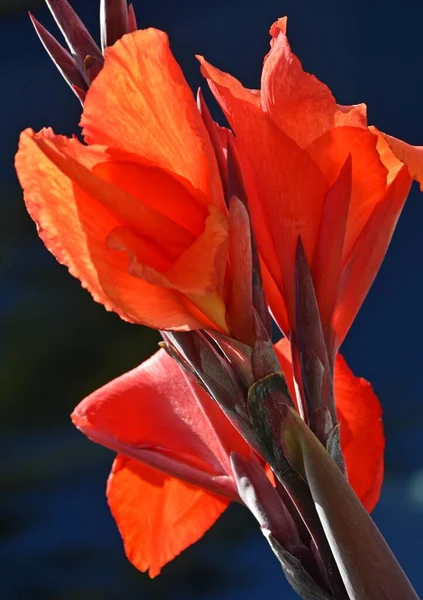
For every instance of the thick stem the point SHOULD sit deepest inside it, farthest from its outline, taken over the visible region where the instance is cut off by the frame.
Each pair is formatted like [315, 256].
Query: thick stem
[366, 564]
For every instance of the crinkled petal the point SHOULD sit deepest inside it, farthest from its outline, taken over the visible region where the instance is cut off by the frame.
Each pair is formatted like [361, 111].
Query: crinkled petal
[411, 156]
[158, 516]
[141, 102]
[299, 104]
[360, 415]
[388, 158]
[76, 209]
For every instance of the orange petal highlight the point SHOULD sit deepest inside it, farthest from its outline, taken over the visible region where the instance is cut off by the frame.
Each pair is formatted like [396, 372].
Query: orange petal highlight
[387, 157]
[360, 415]
[198, 272]
[140, 102]
[411, 156]
[299, 104]
[201, 268]
[158, 516]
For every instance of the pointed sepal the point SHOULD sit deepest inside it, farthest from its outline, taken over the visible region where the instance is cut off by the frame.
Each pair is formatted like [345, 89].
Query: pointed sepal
[238, 354]
[213, 132]
[65, 63]
[258, 494]
[132, 19]
[236, 187]
[327, 261]
[240, 316]
[267, 402]
[216, 376]
[264, 361]
[77, 37]
[310, 353]
[113, 21]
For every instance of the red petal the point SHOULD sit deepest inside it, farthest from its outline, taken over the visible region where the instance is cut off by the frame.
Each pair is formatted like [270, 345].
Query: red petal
[282, 205]
[362, 437]
[327, 259]
[411, 156]
[387, 157]
[365, 258]
[141, 103]
[73, 198]
[198, 273]
[360, 415]
[155, 411]
[156, 188]
[158, 516]
[299, 104]
[369, 175]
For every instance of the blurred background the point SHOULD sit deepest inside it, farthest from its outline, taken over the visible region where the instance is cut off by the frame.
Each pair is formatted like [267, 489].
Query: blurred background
[57, 539]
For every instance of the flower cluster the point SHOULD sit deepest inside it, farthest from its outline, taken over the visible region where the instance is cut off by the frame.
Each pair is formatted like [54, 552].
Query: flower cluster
[202, 232]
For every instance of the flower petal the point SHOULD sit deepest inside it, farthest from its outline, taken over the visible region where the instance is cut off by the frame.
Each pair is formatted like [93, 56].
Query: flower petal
[362, 437]
[141, 103]
[156, 188]
[362, 264]
[75, 211]
[158, 516]
[201, 268]
[327, 258]
[282, 206]
[411, 156]
[369, 176]
[299, 104]
[156, 408]
[360, 415]
[198, 273]
[387, 157]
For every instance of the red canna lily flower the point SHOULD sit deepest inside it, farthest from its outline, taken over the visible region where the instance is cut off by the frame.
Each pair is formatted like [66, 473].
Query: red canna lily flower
[172, 477]
[137, 214]
[314, 169]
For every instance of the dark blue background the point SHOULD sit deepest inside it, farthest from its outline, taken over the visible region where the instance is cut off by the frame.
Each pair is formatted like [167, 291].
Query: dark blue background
[58, 540]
